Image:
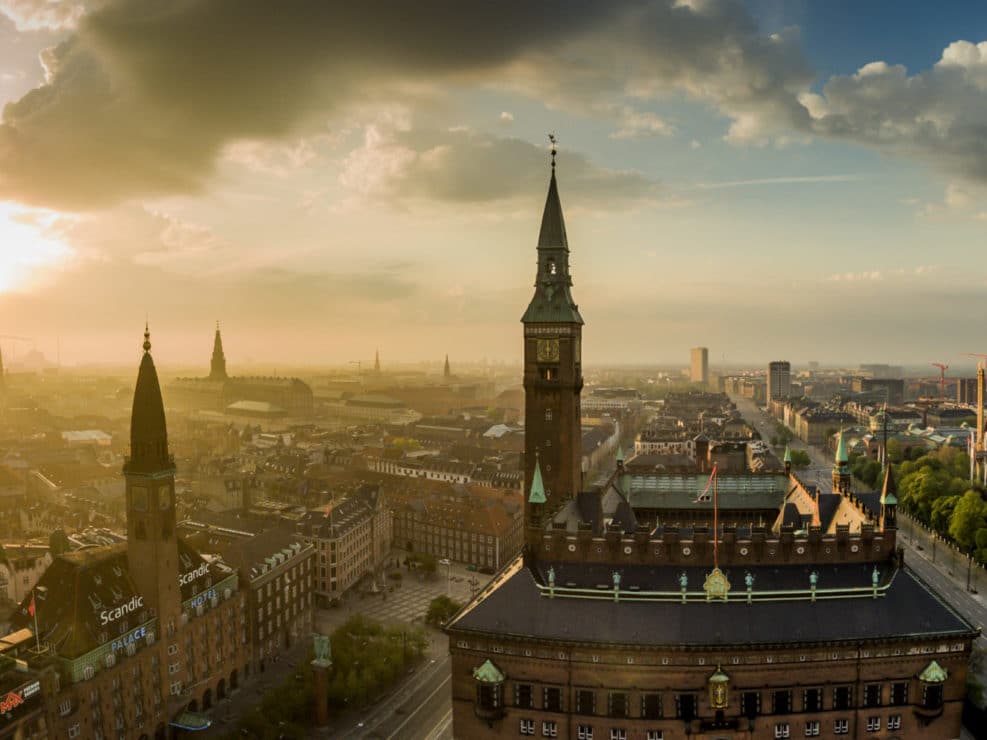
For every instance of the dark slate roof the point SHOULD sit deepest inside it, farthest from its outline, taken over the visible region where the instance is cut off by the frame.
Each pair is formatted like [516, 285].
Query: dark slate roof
[828, 505]
[791, 516]
[514, 607]
[871, 501]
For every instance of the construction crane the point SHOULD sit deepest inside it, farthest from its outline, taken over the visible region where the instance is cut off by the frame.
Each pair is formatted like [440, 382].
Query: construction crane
[12, 338]
[942, 378]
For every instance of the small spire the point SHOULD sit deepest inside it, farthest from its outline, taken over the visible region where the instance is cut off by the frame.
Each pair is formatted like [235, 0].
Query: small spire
[620, 454]
[147, 337]
[554, 142]
[788, 454]
[537, 495]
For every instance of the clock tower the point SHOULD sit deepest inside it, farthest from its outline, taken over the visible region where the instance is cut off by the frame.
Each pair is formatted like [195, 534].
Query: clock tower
[553, 376]
[152, 544]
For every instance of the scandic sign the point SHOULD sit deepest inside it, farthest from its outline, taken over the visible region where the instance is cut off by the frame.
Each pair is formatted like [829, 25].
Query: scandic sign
[111, 615]
[10, 702]
[15, 698]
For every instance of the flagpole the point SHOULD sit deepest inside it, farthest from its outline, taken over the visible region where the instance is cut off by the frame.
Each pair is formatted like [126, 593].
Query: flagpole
[716, 524]
[34, 610]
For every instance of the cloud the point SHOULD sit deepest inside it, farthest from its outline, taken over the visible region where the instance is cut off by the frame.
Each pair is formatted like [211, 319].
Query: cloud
[141, 100]
[798, 180]
[506, 117]
[937, 116]
[462, 166]
[32, 15]
[636, 124]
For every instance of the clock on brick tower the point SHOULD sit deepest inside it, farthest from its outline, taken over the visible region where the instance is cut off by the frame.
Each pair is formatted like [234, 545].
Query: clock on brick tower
[553, 375]
[152, 544]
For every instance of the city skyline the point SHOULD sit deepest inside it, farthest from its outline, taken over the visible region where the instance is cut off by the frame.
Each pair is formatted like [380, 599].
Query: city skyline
[724, 176]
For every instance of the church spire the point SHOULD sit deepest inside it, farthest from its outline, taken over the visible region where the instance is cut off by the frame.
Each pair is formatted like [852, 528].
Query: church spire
[446, 372]
[377, 360]
[148, 430]
[217, 370]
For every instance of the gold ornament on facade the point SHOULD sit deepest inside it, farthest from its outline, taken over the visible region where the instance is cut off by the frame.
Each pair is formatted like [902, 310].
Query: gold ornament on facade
[718, 686]
[716, 586]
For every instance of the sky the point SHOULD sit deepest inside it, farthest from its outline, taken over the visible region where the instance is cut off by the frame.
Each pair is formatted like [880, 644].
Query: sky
[772, 179]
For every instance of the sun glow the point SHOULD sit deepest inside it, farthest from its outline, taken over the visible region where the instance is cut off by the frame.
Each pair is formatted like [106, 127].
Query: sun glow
[28, 244]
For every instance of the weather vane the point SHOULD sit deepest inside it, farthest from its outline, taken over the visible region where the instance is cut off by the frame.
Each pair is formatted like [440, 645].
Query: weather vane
[554, 142]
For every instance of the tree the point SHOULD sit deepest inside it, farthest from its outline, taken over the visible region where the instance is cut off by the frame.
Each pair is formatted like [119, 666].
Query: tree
[968, 517]
[800, 459]
[440, 610]
[942, 513]
[894, 451]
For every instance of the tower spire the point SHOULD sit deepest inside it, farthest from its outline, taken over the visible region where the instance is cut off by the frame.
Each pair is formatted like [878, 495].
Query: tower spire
[446, 372]
[148, 430]
[217, 366]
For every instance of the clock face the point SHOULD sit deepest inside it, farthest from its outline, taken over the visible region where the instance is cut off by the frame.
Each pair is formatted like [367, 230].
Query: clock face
[548, 350]
[138, 498]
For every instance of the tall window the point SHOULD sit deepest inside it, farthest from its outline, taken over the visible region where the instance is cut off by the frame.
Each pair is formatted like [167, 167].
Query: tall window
[899, 694]
[618, 704]
[685, 707]
[523, 696]
[750, 704]
[812, 700]
[932, 696]
[585, 702]
[842, 697]
[781, 701]
[872, 695]
[552, 699]
[651, 706]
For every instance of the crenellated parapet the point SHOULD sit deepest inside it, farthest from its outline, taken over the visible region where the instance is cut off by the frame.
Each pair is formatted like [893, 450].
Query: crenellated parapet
[694, 547]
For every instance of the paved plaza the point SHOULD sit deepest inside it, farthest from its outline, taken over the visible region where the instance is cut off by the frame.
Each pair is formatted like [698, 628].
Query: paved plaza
[409, 599]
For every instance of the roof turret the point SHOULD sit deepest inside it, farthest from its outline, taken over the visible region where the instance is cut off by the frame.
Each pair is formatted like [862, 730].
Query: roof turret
[537, 494]
[889, 491]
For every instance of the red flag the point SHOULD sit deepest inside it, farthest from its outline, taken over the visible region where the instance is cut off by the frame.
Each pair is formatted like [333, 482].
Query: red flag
[30, 607]
[704, 496]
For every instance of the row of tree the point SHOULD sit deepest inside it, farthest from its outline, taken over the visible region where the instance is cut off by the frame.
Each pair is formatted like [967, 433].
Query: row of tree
[935, 489]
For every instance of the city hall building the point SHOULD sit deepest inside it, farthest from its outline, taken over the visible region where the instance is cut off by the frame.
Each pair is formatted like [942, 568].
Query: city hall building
[624, 619]
[130, 640]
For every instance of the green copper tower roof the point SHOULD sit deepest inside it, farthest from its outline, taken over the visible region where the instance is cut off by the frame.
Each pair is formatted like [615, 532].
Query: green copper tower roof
[488, 673]
[620, 454]
[841, 456]
[933, 673]
[537, 495]
[552, 302]
[889, 491]
[788, 454]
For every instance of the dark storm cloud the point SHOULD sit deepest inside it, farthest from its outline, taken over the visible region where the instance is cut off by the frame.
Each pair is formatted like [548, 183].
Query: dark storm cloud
[143, 97]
